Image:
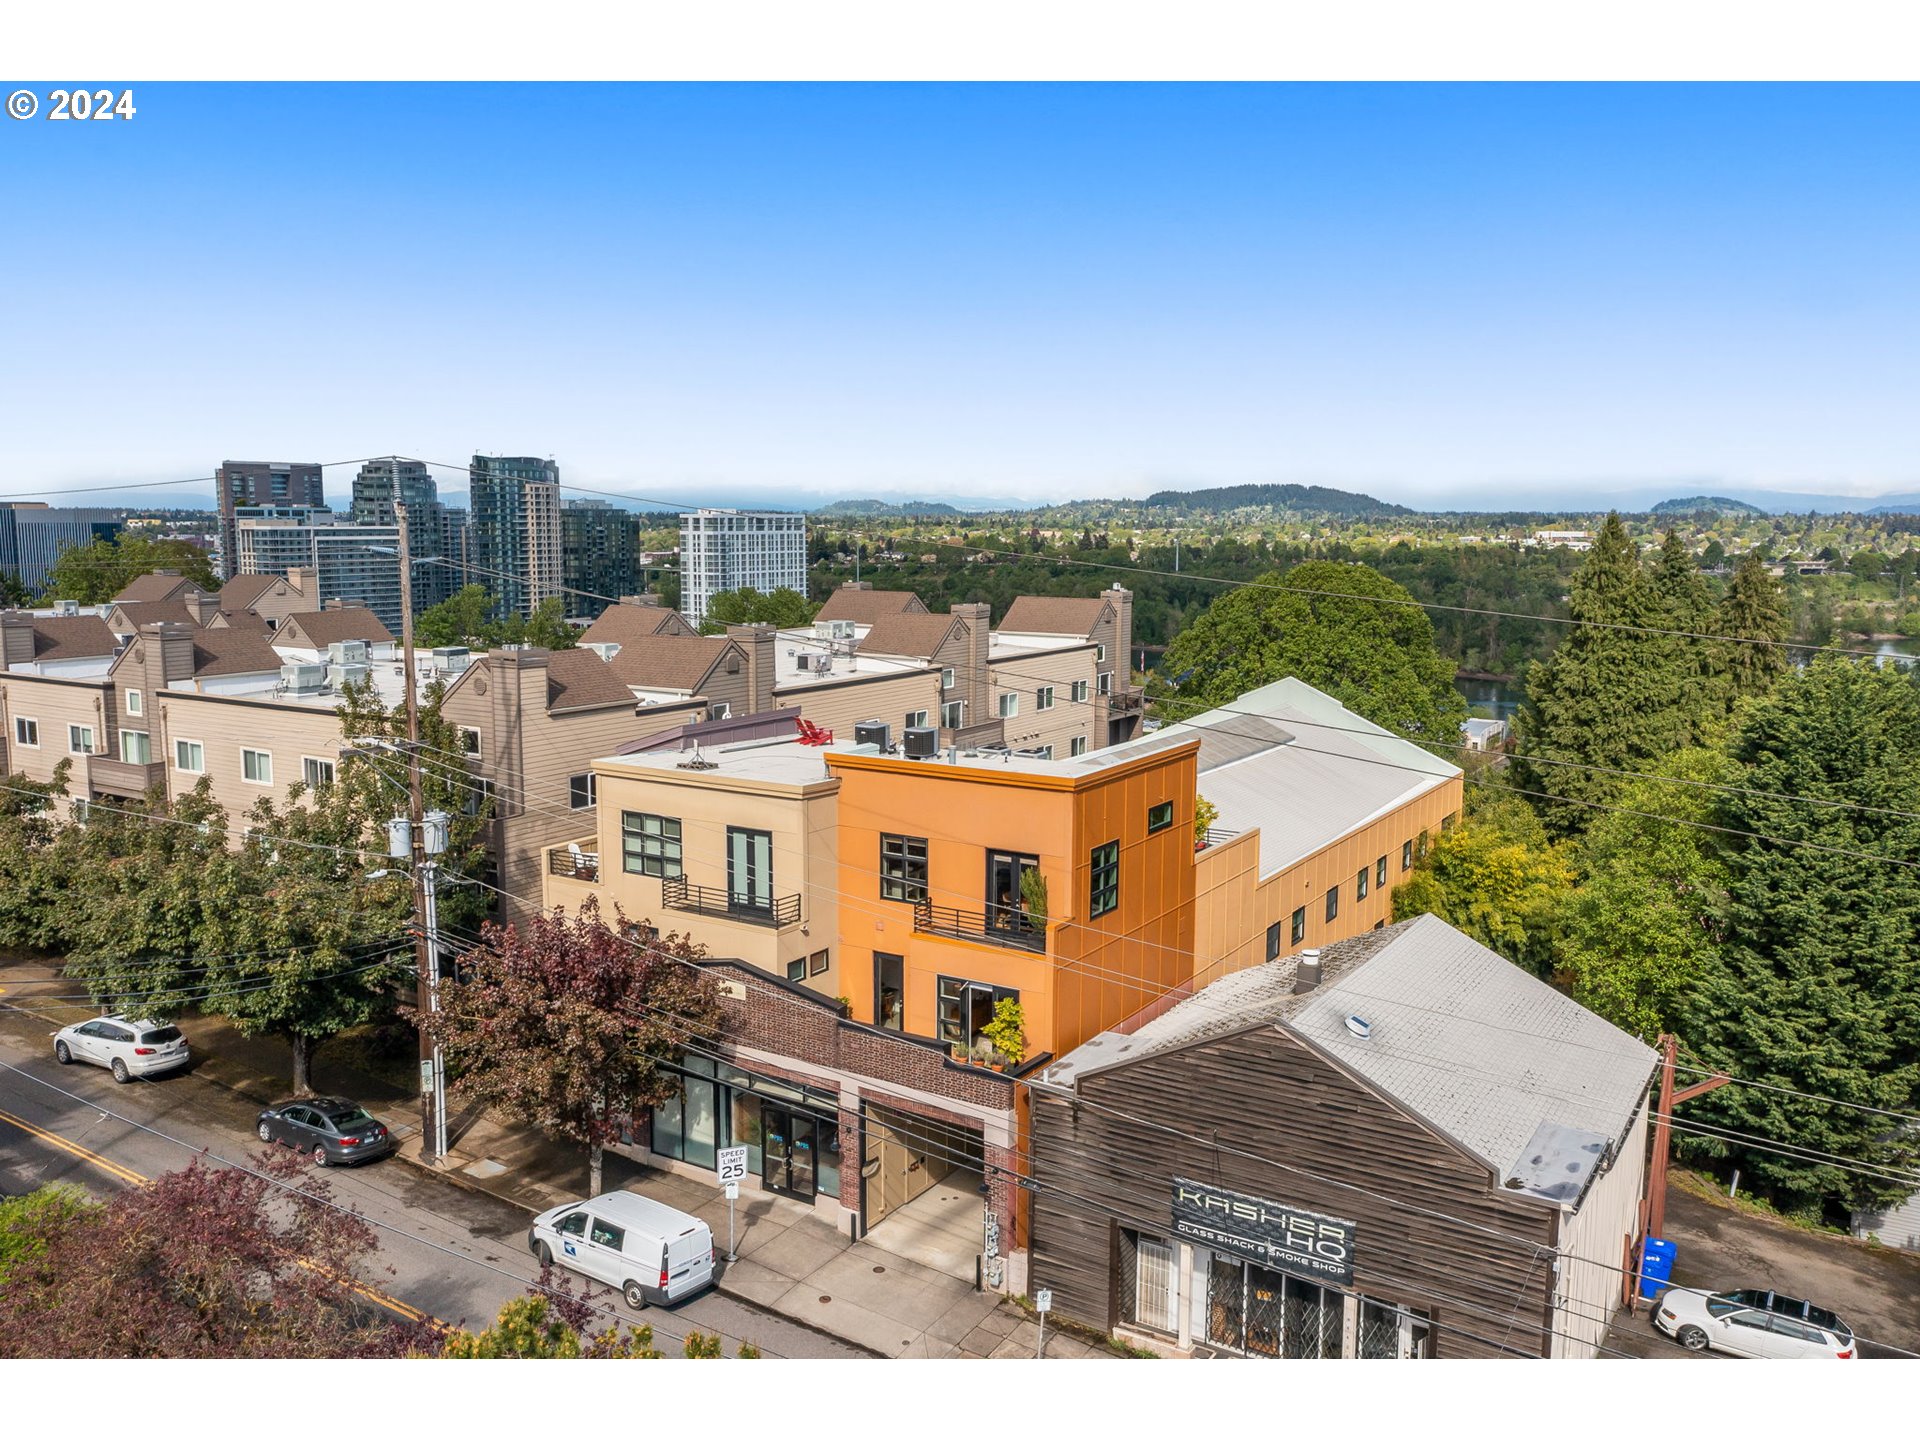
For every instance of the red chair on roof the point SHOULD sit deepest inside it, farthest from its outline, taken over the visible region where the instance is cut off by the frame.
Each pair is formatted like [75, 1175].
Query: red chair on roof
[812, 734]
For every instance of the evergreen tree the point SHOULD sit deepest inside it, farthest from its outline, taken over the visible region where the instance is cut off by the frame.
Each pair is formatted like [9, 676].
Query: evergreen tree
[1685, 606]
[1754, 609]
[1608, 697]
[1816, 986]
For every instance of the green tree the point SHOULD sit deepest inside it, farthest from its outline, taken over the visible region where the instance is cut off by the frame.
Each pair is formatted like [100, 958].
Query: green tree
[13, 594]
[747, 606]
[1684, 605]
[97, 572]
[1611, 697]
[1641, 925]
[1345, 629]
[461, 619]
[1753, 617]
[1497, 877]
[557, 1325]
[1816, 986]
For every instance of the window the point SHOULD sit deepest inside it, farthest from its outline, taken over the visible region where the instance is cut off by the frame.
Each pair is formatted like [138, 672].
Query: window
[1099, 654]
[889, 990]
[317, 773]
[650, 844]
[469, 740]
[1104, 886]
[1106, 682]
[1077, 746]
[1009, 705]
[953, 714]
[797, 969]
[1273, 941]
[611, 1236]
[1298, 928]
[133, 702]
[1333, 902]
[1360, 886]
[1043, 698]
[582, 790]
[26, 731]
[966, 1008]
[135, 747]
[721, 710]
[1159, 817]
[946, 679]
[575, 1224]
[1080, 688]
[256, 766]
[1380, 872]
[916, 719]
[1406, 855]
[79, 739]
[817, 963]
[190, 756]
[903, 867]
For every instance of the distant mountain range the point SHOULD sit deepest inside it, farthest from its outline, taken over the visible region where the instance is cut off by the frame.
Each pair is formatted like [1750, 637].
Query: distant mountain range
[1693, 504]
[1317, 498]
[882, 507]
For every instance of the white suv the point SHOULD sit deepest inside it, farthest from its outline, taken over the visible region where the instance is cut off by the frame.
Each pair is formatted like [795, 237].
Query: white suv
[127, 1046]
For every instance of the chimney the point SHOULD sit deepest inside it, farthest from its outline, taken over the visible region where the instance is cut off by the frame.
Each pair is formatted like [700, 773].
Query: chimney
[16, 638]
[174, 642]
[336, 603]
[305, 579]
[1122, 656]
[856, 584]
[974, 686]
[518, 703]
[757, 641]
[653, 600]
[1306, 972]
[202, 607]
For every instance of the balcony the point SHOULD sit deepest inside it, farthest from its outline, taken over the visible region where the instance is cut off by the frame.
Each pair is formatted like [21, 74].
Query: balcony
[677, 893]
[1011, 928]
[1214, 836]
[1126, 700]
[574, 862]
[125, 778]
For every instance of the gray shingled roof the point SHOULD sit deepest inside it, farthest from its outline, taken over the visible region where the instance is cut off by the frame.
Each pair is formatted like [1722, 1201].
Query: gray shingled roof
[1506, 1066]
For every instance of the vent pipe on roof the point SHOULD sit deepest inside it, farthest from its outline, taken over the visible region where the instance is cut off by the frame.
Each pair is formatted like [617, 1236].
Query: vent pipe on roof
[1306, 972]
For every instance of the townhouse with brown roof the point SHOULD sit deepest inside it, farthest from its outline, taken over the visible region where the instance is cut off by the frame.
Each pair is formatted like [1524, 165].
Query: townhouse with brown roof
[55, 695]
[317, 629]
[858, 601]
[634, 617]
[157, 585]
[269, 597]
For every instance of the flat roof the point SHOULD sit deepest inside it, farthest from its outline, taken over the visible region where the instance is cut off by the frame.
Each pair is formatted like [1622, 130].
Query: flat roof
[776, 762]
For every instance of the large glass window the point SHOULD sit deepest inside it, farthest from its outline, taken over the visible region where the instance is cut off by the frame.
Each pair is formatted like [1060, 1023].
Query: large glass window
[136, 747]
[903, 867]
[1105, 880]
[1260, 1312]
[966, 1009]
[650, 844]
[889, 991]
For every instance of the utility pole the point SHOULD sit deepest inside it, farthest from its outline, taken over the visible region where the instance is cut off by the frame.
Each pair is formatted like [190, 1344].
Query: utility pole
[1654, 1212]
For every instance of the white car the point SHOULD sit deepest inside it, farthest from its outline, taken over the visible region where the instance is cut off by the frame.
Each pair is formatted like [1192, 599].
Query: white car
[1757, 1323]
[127, 1046]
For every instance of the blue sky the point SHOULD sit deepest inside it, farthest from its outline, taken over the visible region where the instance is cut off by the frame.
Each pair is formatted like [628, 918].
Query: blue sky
[1434, 293]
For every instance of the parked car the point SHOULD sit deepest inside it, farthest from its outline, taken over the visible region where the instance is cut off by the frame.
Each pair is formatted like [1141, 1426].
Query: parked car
[332, 1130]
[127, 1046]
[652, 1253]
[1757, 1323]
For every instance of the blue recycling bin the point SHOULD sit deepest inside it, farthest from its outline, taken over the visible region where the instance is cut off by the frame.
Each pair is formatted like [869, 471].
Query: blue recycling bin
[1656, 1267]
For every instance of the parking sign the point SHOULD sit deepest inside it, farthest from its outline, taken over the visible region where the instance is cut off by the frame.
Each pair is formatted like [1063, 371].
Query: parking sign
[733, 1164]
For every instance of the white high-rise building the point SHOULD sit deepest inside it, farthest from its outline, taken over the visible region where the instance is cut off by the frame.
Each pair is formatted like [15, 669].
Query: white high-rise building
[728, 549]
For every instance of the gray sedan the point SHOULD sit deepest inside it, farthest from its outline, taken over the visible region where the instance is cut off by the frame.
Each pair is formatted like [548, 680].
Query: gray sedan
[333, 1131]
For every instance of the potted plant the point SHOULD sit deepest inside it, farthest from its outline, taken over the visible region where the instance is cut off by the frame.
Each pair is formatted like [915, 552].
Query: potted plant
[1007, 1031]
[982, 1052]
[1205, 812]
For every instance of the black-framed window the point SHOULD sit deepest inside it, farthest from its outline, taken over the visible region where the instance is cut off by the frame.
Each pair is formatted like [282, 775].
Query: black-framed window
[1380, 873]
[1159, 817]
[1299, 925]
[1333, 903]
[903, 867]
[817, 963]
[1273, 941]
[1360, 885]
[1406, 854]
[797, 969]
[966, 1008]
[649, 844]
[1103, 889]
[889, 991]
[582, 790]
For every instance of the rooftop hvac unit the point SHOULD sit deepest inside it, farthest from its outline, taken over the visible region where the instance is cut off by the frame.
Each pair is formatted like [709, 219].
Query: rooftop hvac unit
[872, 732]
[833, 629]
[340, 675]
[803, 661]
[920, 742]
[347, 652]
[302, 679]
[455, 658]
[66, 607]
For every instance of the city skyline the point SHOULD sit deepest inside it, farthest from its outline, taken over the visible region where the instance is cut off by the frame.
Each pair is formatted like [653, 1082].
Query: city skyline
[1444, 296]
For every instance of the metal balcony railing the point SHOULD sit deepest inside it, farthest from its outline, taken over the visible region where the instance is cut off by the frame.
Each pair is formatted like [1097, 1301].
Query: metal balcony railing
[677, 893]
[1214, 836]
[574, 863]
[1010, 927]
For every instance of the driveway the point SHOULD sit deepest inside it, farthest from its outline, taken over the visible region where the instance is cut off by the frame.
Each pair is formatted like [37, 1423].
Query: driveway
[1872, 1288]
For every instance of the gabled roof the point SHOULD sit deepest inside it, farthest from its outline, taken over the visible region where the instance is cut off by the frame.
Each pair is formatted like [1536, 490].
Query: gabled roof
[1505, 1066]
[146, 588]
[1054, 615]
[916, 636]
[72, 637]
[135, 613]
[670, 662]
[868, 607]
[243, 591]
[239, 620]
[321, 628]
[620, 623]
[581, 680]
[233, 652]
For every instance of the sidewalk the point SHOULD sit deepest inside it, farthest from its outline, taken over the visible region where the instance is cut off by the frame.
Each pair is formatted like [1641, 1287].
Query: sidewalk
[788, 1262]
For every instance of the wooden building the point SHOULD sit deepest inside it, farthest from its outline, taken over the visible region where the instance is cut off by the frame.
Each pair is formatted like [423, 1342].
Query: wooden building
[1398, 1146]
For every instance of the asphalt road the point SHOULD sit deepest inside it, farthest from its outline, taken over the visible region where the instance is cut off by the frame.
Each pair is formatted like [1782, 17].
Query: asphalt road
[451, 1253]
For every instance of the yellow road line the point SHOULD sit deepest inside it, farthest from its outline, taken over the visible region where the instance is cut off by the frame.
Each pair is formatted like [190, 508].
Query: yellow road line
[134, 1177]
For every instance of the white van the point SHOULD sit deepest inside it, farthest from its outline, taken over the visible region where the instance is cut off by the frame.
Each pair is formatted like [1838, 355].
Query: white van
[652, 1253]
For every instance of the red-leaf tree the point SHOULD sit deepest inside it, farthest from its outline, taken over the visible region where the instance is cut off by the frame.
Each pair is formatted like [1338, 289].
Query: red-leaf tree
[564, 1025]
[204, 1262]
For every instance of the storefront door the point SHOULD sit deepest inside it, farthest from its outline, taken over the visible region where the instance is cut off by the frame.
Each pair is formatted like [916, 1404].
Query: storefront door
[790, 1159]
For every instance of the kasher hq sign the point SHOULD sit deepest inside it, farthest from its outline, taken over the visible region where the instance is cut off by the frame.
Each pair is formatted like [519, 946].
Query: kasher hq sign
[1299, 1242]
